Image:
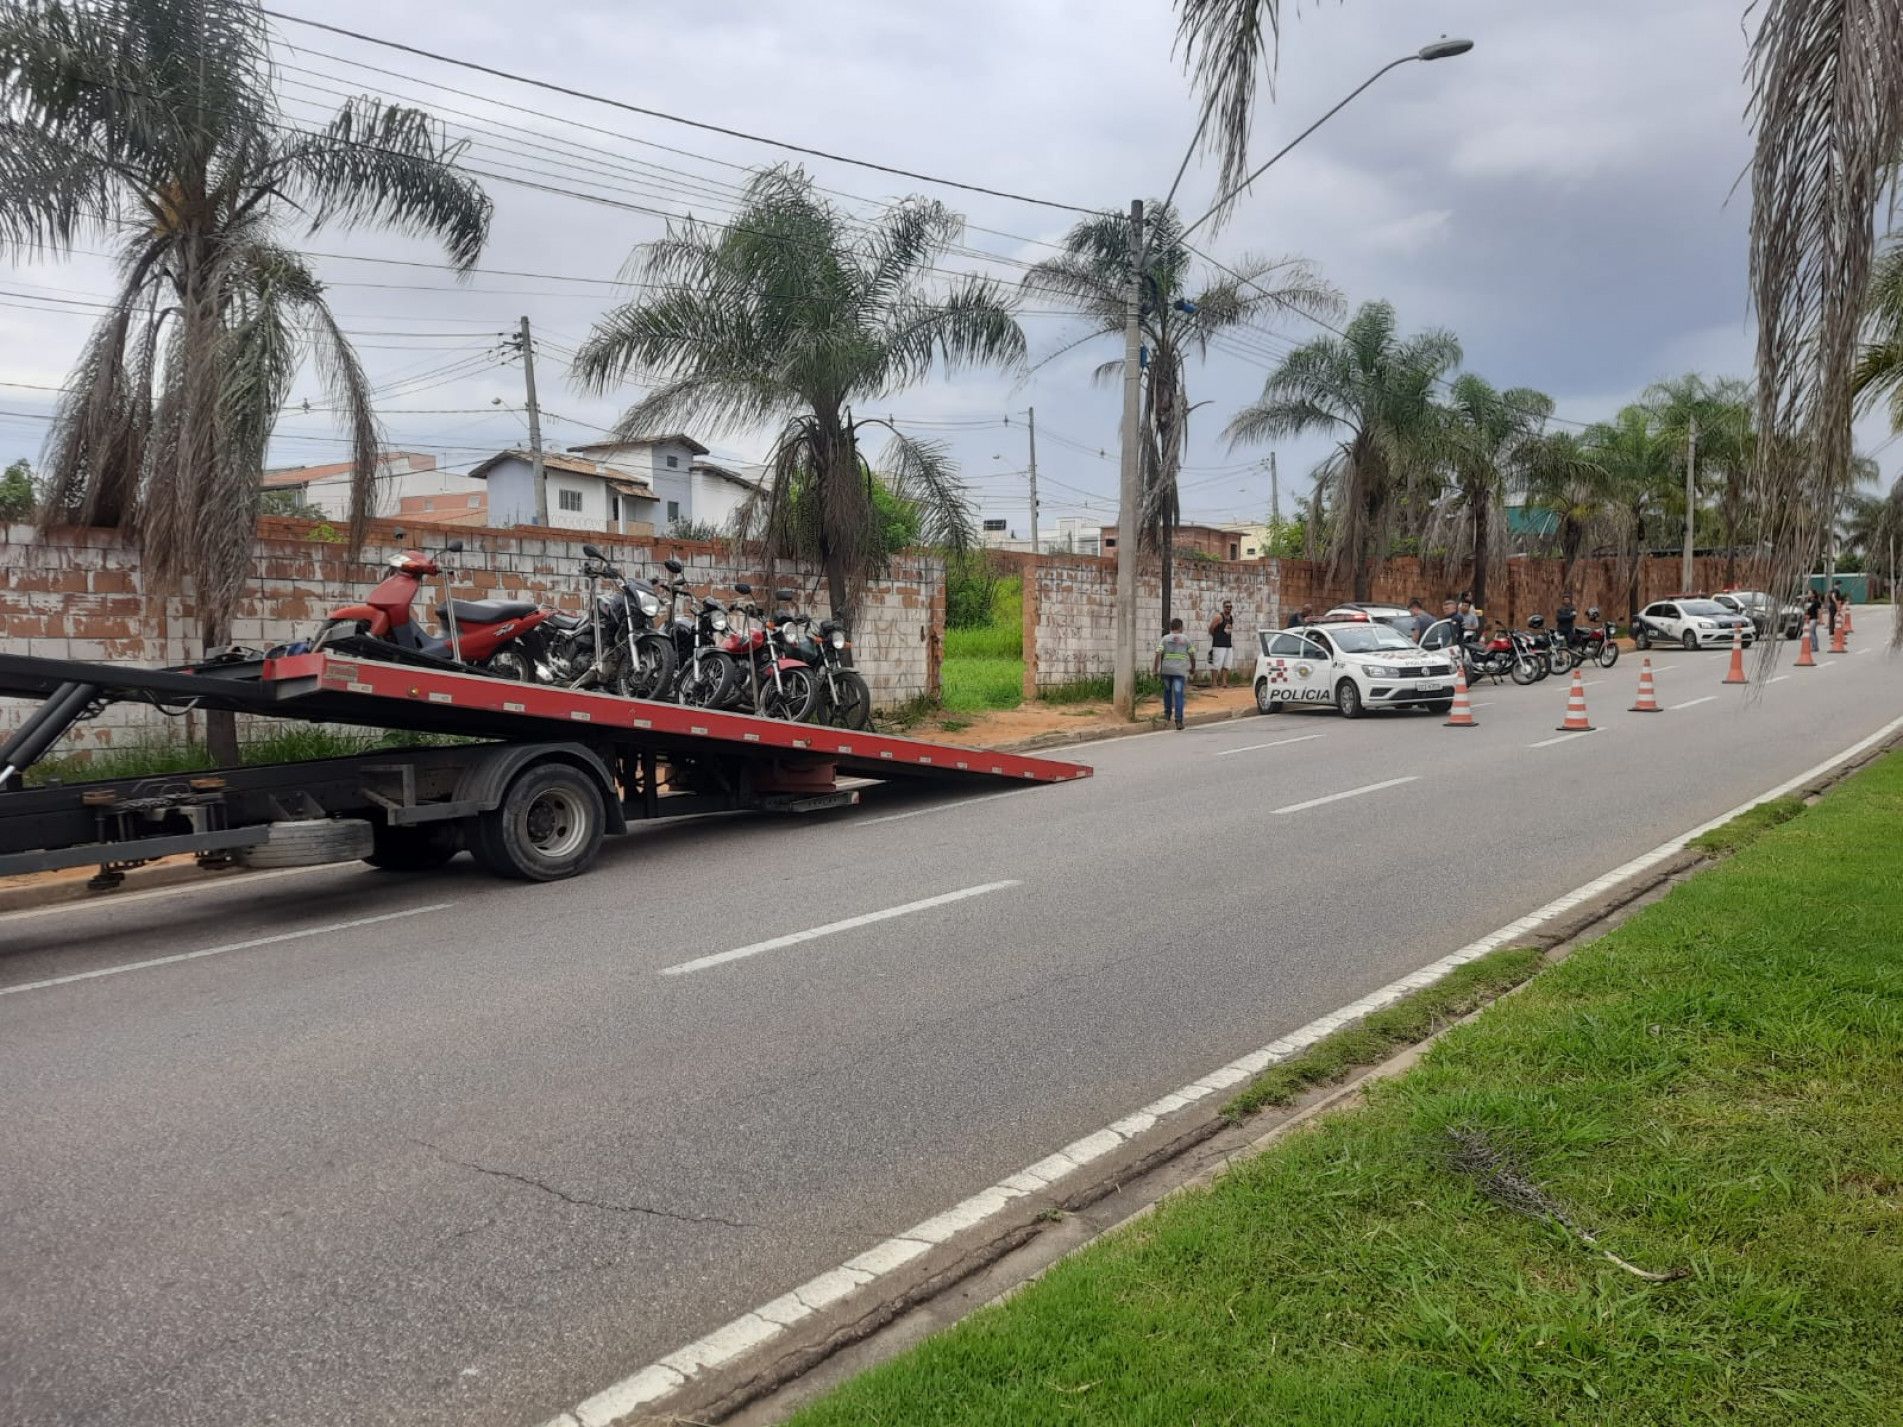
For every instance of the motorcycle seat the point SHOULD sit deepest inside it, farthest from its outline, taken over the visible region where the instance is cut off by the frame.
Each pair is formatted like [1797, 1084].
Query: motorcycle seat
[489, 611]
[562, 621]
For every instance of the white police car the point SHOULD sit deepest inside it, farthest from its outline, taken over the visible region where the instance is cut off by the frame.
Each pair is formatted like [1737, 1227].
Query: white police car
[1351, 667]
[1692, 624]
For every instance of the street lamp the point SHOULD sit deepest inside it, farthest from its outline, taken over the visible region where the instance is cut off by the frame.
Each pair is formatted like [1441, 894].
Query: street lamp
[1440, 49]
[1129, 485]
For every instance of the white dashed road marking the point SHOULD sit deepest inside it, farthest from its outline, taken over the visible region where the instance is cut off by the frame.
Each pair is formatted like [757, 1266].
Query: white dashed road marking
[1576, 733]
[1337, 797]
[220, 950]
[866, 920]
[1693, 703]
[1279, 743]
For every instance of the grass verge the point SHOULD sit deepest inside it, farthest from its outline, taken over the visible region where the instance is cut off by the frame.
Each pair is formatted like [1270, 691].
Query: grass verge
[1748, 826]
[970, 685]
[1096, 691]
[1715, 1088]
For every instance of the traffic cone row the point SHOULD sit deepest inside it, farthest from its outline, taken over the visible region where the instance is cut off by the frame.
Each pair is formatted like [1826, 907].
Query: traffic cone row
[1576, 720]
[1804, 658]
[1648, 696]
[1735, 675]
[1462, 716]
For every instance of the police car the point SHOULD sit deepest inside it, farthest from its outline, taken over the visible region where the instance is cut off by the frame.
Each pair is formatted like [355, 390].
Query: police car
[1351, 667]
[1691, 623]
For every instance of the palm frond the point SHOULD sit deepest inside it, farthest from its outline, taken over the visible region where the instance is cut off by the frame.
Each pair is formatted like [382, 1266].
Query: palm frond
[922, 471]
[389, 165]
[1229, 49]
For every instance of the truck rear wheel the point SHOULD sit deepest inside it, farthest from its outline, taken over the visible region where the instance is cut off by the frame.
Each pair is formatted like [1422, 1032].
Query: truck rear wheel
[547, 827]
[412, 849]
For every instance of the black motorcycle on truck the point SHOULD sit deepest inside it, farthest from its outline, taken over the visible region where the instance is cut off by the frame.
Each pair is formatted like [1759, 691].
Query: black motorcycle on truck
[617, 646]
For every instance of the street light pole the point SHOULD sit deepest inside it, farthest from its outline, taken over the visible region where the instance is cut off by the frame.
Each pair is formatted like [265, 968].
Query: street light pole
[1129, 486]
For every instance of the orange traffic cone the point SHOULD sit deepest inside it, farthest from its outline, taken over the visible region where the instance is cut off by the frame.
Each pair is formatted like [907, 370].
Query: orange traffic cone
[1735, 675]
[1576, 721]
[1462, 716]
[1845, 619]
[1804, 658]
[1837, 639]
[1648, 697]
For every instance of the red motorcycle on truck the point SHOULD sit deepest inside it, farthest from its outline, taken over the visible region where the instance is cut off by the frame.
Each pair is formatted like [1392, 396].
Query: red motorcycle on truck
[486, 636]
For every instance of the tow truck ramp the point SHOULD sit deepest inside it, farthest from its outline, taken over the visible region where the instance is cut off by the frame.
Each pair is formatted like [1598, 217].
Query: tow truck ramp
[543, 774]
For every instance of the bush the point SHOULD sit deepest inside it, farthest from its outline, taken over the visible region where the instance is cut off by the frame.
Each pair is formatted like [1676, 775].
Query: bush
[971, 589]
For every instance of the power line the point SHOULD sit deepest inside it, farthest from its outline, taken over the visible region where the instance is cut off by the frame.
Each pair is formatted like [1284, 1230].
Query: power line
[572, 92]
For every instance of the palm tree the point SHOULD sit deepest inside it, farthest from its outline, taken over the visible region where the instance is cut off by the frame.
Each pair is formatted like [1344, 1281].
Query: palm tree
[1182, 312]
[1828, 108]
[1485, 437]
[1373, 389]
[787, 317]
[1719, 413]
[1880, 361]
[1227, 45]
[1637, 466]
[1561, 476]
[154, 125]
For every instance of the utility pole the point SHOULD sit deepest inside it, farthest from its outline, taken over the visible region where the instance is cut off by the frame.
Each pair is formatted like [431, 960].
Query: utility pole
[1691, 504]
[1275, 535]
[1123, 679]
[1032, 414]
[526, 343]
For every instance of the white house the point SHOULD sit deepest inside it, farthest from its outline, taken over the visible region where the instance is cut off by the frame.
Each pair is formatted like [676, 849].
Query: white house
[583, 494]
[687, 486]
[399, 475]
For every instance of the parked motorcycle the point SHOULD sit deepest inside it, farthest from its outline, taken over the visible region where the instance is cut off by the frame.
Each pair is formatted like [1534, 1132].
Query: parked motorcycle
[617, 646]
[1555, 656]
[718, 675]
[1507, 654]
[785, 686]
[486, 636]
[845, 699]
[1596, 642]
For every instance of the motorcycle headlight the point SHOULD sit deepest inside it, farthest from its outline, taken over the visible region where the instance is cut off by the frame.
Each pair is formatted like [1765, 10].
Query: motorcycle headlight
[650, 604]
[718, 622]
[839, 639]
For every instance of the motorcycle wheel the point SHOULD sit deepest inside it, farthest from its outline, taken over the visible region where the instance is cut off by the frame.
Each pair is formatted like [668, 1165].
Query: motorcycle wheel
[790, 698]
[1562, 659]
[649, 676]
[511, 664]
[1608, 655]
[850, 705]
[1524, 672]
[708, 682]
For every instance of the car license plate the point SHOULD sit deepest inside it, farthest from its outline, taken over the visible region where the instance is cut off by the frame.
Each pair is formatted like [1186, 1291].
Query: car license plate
[1431, 689]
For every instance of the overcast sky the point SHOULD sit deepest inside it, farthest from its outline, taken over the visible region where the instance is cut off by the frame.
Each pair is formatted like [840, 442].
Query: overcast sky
[1561, 199]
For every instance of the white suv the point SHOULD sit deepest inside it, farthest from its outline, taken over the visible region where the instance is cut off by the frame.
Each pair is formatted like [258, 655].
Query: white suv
[1352, 667]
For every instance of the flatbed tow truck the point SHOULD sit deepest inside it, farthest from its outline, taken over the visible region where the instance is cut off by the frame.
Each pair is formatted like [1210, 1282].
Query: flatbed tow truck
[532, 781]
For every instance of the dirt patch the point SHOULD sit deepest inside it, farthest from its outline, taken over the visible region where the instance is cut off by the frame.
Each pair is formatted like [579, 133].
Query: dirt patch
[1035, 720]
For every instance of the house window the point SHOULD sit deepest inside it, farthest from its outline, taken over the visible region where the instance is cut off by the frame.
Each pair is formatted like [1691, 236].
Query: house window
[673, 463]
[673, 508]
[571, 500]
[1232, 552]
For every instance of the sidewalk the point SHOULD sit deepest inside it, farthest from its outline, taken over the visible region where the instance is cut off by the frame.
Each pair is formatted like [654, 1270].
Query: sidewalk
[1039, 724]
[1662, 1184]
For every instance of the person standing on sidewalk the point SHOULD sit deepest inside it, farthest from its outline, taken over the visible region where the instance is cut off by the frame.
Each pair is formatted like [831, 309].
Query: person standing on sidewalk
[1222, 646]
[1813, 609]
[1175, 661]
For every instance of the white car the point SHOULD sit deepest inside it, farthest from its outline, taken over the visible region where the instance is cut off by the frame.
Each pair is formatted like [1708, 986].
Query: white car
[1351, 667]
[1692, 623]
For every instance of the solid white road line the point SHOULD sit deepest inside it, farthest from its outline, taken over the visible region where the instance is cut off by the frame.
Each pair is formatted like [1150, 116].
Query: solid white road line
[1663, 668]
[1337, 797]
[795, 938]
[650, 1384]
[1279, 743]
[1576, 733]
[1692, 703]
[1864, 650]
[1778, 679]
[220, 950]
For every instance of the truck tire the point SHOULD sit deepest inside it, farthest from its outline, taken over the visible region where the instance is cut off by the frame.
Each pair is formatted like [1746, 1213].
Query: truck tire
[547, 827]
[412, 849]
[311, 842]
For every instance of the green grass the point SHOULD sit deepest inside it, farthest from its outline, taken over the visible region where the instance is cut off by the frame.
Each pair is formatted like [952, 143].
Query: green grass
[286, 745]
[1096, 691]
[995, 642]
[1715, 1087]
[1380, 1035]
[973, 685]
[1748, 826]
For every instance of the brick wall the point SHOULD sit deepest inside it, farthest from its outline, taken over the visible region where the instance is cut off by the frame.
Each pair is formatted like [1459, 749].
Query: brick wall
[81, 594]
[1070, 600]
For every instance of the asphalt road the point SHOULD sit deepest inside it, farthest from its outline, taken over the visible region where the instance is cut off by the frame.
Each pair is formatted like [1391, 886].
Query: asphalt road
[439, 1149]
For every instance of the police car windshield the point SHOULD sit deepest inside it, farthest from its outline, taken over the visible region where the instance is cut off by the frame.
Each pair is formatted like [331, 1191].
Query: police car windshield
[1703, 607]
[1367, 638]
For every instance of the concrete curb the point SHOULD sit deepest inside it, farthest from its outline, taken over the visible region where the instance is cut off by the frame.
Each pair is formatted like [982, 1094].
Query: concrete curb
[1102, 732]
[138, 879]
